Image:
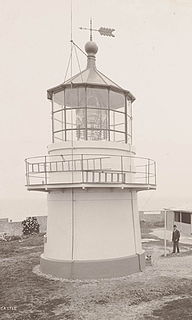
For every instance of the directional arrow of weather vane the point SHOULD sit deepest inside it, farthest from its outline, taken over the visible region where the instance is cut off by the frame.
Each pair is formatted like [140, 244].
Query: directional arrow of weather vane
[103, 31]
[106, 32]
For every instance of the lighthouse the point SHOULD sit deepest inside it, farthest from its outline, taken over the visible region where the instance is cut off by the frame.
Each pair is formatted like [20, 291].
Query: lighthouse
[91, 175]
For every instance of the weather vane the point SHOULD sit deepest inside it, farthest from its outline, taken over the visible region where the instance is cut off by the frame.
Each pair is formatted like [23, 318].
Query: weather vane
[103, 31]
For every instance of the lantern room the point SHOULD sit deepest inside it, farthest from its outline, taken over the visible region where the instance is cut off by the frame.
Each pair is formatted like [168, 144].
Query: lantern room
[91, 107]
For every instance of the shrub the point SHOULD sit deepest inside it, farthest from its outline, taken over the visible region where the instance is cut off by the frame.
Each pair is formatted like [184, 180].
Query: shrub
[30, 226]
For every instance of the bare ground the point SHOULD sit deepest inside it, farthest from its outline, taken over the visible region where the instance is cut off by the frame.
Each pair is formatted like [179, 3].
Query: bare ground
[162, 291]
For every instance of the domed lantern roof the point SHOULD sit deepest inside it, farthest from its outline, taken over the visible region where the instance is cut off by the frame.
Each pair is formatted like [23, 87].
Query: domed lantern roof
[91, 76]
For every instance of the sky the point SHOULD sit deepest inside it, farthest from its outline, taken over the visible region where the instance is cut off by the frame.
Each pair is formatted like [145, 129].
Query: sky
[149, 56]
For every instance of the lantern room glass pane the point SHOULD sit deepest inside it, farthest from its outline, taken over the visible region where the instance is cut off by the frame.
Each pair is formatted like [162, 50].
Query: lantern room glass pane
[96, 119]
[87, 113]
[79, 120]
[97, 109]
[59, 98]
[75, 121]
[58, 116]
[74, 97]
[117, 124]
[119, 136]
[117, 100]
[70, 97]
[97, 97]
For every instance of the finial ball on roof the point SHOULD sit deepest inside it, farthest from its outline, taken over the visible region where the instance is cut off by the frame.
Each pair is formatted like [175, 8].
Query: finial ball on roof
[91, 48]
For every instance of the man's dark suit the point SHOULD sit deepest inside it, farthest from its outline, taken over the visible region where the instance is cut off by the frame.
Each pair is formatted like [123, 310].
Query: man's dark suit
[175, 240]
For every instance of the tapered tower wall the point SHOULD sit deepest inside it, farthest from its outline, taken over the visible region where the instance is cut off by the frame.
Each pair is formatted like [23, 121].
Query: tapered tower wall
[92, 226]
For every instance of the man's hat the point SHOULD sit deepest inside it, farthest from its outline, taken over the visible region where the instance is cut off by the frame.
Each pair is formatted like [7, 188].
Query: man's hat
[175, 225]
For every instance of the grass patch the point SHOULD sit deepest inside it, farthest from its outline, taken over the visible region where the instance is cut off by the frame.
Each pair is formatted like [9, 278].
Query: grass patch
[180, 308]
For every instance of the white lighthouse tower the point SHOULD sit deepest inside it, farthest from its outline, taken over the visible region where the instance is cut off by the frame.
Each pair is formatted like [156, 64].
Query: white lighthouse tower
[91, 176]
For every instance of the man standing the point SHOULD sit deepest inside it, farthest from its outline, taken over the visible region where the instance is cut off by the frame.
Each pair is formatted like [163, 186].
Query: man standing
[175, 239]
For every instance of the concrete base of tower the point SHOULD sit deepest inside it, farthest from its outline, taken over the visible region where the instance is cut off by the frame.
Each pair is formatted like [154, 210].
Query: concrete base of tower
[93, 269]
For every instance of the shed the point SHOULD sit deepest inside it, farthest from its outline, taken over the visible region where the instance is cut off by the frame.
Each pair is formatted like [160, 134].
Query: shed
[182, 218]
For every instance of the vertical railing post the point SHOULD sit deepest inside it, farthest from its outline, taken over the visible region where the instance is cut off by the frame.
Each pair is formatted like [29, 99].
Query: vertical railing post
[130, 169]
[155, 172]
[146, 175]
[62, 164]
[45, 169]
[125, 119]
[131, 124]
[82, 170]
[123, 180]
[100, 174]
[165, 232]
[65, 117]
[26, 173]
[148, 170]
[86, 133]
[108, 111]
[52, 117]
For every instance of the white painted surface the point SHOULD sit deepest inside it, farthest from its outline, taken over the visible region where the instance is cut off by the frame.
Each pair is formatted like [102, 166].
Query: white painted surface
[107, 153]
[170, 219]
[103, 224]
[92, 224]
[84, 147]
[59, 239]
[136, 223]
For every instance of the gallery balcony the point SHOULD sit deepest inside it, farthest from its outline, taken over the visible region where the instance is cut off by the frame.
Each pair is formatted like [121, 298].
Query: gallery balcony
[89, 170]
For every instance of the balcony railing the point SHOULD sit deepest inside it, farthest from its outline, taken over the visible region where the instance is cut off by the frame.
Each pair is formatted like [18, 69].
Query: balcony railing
[89, 169]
